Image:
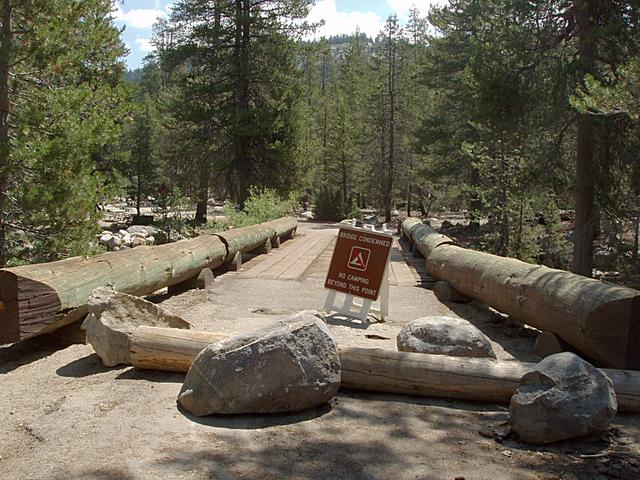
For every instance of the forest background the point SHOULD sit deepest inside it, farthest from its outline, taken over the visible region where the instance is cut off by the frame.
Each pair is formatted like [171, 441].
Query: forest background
[514, 111]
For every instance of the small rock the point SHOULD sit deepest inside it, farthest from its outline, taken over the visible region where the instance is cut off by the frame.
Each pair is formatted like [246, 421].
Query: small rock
[287, 367]
[113, 316]
[137, 229]
[150, 241]
[137, 241]
[113, 242]
[446, 293]
[105, 237]
[563, 397]
[139, 235]
[445, 336]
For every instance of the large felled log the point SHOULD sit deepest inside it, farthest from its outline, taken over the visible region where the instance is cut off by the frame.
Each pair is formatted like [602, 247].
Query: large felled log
[599, 319]
[377, 370]
[247, 239]
[455, 377]
[35, 298]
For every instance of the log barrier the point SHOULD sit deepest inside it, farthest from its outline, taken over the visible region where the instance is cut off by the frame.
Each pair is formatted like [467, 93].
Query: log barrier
[599, 319]
[40, 298]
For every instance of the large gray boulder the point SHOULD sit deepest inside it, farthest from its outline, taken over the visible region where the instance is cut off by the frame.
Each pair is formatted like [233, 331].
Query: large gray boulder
[563, 397]
[444, 336]
[112, 318]
[287, 367]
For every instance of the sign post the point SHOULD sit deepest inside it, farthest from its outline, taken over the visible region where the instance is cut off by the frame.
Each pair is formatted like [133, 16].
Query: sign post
[359, 268]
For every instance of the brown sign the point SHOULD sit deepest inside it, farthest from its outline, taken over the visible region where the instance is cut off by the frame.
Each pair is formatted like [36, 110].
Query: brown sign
[359, 262]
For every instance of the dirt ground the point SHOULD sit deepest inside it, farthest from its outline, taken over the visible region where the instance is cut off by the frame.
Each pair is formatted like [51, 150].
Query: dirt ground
[65, 416]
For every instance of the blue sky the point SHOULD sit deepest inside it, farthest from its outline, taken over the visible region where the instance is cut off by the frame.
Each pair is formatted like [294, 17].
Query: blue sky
[340, 16]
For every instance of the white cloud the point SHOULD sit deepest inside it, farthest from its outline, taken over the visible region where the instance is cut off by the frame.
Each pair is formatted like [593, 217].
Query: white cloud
[343, 22]
[144, 44]
[139, 17]
[401, 7]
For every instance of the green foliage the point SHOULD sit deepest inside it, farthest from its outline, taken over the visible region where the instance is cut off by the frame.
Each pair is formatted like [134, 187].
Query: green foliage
[330, 206]
[62, 124]
[262, 205]
[170, 205]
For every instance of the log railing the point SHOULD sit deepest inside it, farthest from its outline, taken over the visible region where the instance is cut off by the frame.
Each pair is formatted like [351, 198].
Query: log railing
[600, 319]
[36, 299]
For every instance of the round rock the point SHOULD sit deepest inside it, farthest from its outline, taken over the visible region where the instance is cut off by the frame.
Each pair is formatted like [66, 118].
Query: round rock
[443, 335]
[562, 398]
[287, 367]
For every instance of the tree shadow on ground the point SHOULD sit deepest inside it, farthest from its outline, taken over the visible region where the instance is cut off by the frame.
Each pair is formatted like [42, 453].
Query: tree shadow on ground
[390, 436]
[98, 474]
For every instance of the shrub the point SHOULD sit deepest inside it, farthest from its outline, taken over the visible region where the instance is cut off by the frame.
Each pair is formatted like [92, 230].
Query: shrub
[329, 206]
[263, 205]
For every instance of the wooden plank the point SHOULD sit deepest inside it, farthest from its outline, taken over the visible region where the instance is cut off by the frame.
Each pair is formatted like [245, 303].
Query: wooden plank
[286, 251]
[298, 269]
[287, 261]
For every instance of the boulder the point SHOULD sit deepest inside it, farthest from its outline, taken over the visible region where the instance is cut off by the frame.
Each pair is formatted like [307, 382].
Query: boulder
[442, 335]
[112, 318]
[446, 293]
[287, 367]
[562, 398]
[113, 242]
[105, 237]
[150, 240]
[137, 229]
[137, 241]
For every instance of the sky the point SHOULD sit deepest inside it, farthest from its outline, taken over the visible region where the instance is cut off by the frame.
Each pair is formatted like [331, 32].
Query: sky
[340, 16]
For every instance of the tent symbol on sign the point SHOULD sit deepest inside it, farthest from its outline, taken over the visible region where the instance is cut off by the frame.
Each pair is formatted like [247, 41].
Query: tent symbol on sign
[359, 258]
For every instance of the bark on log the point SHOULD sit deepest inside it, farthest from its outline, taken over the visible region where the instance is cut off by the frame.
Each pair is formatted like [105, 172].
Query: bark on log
[35, 299]
[169, 349]
[247, 239]
[599, 319]
[461, 378]
[418, 374]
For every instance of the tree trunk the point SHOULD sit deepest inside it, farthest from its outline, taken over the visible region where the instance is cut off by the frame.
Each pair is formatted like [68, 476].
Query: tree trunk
[6, 53]
[585, 162]
[377, 370]
[244, 168]
[35, 296]
[169, 349]
[599, 319]
[201, 206]
[478, 379]
[392, 127]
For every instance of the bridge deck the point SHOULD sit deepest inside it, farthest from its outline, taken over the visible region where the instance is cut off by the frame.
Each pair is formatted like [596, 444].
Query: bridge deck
[307, 257]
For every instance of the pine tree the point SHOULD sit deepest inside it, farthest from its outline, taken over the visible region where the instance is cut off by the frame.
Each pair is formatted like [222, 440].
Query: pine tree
[60, 104]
